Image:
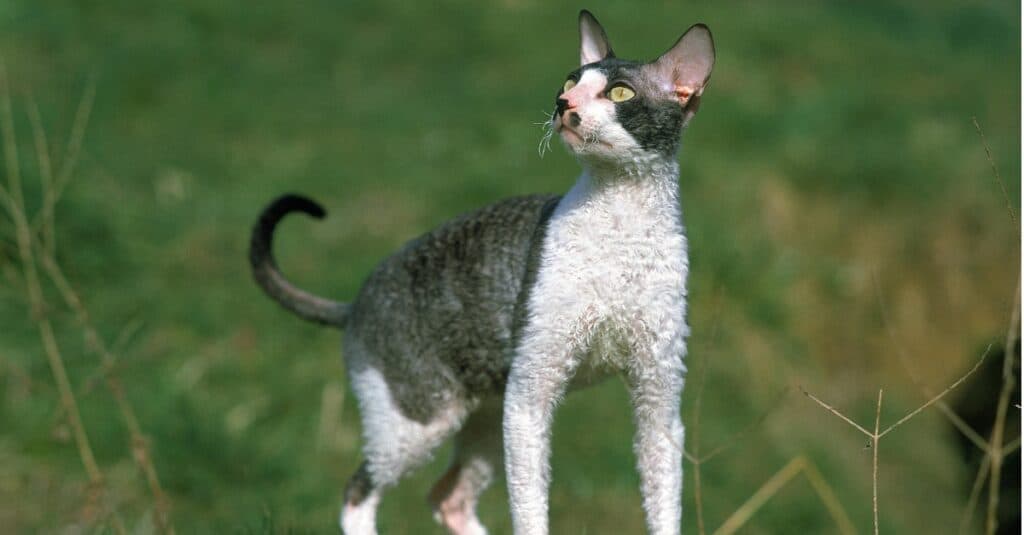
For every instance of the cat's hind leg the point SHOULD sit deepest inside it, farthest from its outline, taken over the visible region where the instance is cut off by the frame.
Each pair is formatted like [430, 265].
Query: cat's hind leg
[359, 513]
[394, 445]
[476, 461]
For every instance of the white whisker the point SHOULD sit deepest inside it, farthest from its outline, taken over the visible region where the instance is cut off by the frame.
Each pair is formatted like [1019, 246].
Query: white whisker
[545, 139]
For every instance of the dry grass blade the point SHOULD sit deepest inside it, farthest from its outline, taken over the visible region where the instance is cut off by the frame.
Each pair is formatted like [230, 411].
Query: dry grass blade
[698, 499]
[74, 149]
[874, 461]
[995, 443]
[972, 500]
[139, 444]
[698, 494]
[52, 195]
[831, 409]
[754, 424]
[829, 498]
[795, 467]
[876, 436]
[995, 172]
[904, 359]
[31, 277]
[938, 396]
[13, 195]
[1011, 446]
[697, 486]
[770, 488]
[962, 426]
[979, 483]
[45, 251]
[694, 458]
[45, 169]
[698, 462]
[37, 304]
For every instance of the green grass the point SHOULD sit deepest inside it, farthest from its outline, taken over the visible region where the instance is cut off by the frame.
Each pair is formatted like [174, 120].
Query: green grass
[834, 148]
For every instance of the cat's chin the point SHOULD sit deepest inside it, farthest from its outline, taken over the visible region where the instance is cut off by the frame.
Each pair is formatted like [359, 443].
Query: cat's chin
[595, 152]
[580, 146]
[570, 137]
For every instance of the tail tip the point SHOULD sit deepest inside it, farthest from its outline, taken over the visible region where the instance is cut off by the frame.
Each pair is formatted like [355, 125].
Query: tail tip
[295, 201]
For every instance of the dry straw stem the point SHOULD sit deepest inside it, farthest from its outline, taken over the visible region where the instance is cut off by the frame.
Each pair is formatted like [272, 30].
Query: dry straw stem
[695, 426]
[15, 202]
[874, 462]
[984, 470]
[995, 443]
[994, 449]
[45, 248]
[54, 187]
[797, 466]
[824, 492]
[41, 249]
[695, 458]
[45, 167]
[972, 500]
[877, 435]
[139, 444]
[979, 483]
[735, 437]
[997, 451]
[995, 173]
[904, 359]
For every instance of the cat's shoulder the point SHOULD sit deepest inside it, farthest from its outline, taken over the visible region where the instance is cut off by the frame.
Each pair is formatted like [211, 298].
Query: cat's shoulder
[506, 216]
[502, 229]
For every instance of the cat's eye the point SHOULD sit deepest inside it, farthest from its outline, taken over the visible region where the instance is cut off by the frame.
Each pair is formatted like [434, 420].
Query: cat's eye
[620, 93]
[569, 84]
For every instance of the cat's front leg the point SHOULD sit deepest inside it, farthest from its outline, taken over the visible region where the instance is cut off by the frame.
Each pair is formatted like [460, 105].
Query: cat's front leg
[655, 385]
[540, 372]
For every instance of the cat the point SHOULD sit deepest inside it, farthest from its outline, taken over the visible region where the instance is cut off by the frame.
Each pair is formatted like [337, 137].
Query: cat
[477, 328]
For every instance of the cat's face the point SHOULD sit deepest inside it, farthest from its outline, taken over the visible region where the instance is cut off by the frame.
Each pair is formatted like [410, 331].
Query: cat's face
[611, 109]
[615, 108]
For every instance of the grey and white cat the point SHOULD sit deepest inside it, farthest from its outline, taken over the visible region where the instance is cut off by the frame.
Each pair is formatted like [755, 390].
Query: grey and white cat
[477, 328]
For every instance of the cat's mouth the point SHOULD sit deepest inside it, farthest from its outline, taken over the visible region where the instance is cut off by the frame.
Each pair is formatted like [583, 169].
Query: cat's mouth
[568, 134]
[576, 140]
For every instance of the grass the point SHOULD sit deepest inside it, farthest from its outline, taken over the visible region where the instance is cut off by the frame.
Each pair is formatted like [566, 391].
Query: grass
[834, 159]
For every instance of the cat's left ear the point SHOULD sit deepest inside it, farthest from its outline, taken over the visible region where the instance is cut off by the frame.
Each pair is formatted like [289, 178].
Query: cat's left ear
[594, 45]
[686, 67]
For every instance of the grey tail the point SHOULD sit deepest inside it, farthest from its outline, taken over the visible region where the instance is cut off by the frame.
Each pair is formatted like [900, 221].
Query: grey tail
[269, 277]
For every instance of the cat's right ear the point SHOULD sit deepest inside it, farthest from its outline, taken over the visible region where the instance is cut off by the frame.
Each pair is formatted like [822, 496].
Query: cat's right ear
[686, 67]
[594, 45]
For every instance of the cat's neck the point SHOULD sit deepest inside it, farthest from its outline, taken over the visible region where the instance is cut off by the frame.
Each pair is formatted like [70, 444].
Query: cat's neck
[654, 181]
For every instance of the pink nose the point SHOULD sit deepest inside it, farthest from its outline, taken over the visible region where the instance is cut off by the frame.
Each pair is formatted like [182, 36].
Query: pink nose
[573, 100]
[567, 105]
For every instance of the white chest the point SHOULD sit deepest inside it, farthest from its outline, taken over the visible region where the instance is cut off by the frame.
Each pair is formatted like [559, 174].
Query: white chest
[614, 265]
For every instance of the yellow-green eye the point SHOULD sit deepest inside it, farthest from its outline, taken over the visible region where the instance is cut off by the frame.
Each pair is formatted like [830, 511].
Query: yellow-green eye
[621, 93]
[569, 84]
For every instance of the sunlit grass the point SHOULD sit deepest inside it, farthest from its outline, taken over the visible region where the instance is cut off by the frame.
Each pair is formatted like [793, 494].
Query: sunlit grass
[834, 150]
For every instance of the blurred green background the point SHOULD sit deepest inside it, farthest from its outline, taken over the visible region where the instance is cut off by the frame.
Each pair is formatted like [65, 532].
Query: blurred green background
[833, 160]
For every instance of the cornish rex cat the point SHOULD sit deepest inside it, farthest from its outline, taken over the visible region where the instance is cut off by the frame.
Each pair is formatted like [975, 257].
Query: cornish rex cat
[477, 328]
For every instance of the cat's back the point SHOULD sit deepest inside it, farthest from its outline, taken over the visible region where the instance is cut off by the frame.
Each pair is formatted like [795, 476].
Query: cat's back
[449, 296]
[476, 257]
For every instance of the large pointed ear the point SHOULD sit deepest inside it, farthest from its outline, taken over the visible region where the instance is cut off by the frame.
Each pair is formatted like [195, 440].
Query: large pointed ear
[686, 67]
[594, 45]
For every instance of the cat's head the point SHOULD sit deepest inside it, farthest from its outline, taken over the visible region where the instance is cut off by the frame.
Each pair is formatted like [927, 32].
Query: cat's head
[610, 109]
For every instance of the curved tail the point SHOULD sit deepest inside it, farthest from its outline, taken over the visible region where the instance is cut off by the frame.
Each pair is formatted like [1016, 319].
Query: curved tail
[269, 277]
